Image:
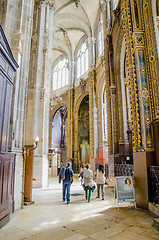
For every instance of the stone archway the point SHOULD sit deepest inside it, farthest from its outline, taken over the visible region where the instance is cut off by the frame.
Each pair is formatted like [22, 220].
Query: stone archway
[76, 125]
[58, 136]
[52, 113]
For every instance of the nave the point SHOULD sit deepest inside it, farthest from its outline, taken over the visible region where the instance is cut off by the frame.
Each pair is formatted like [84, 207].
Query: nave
[49, 218]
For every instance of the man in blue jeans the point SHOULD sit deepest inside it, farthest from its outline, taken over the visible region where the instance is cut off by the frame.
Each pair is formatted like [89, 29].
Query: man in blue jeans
[67, 183]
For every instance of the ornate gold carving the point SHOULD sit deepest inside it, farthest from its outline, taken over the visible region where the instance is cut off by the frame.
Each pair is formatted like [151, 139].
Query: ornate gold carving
[157, 18]
[137, 143]
[82, 84]
[91, 111]
[151, 56]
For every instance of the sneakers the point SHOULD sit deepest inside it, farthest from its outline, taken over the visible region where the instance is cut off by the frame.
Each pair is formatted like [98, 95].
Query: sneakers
[68, 202]
[102, 198]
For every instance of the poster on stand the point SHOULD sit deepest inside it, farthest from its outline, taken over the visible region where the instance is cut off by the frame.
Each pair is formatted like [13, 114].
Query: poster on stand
[124, 189]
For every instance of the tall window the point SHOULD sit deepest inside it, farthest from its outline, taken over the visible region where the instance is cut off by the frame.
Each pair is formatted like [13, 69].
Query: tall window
[115, 3]
[60, 74]
[100, 37]
[82, 60]
[100, 41]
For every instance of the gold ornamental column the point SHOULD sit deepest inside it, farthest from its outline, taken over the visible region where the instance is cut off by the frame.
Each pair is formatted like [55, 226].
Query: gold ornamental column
[107, 81]
[153, 69]
[134, 98]
[140, 106]
[91, 117]
[152, 55]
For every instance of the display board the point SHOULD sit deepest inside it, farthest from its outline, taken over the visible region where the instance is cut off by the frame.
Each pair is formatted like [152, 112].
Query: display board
[124, 189]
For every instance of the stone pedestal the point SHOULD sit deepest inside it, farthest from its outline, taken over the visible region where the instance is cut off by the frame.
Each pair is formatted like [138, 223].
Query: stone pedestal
[40, 172]
[141, 162]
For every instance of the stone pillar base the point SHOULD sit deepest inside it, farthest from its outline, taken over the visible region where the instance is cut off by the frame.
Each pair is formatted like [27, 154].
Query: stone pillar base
[141, 162]
[40, 172]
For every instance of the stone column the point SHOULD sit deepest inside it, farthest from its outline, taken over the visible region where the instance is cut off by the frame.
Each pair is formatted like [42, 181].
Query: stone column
[107, 80]
[108, 3]
[37, 115]
[70, 126]
[91, 52]
[19, 31]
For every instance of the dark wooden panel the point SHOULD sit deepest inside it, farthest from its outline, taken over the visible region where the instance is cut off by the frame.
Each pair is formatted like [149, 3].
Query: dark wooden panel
[7, 161]
[1, 175]
[2, 99]
[6, 118]
[7, 172]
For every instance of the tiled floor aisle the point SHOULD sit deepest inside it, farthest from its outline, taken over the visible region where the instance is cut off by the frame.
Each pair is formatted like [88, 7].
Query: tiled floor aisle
[50, 218]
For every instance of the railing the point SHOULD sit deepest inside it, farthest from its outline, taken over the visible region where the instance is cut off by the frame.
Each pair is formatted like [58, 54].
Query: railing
[154, 183]
[123, 169]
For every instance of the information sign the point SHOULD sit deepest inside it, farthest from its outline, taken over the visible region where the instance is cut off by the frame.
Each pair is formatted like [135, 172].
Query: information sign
[124, 189]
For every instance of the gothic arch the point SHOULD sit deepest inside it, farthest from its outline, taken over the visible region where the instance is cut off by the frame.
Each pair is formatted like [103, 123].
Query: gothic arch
[52, 113]
[76, 142]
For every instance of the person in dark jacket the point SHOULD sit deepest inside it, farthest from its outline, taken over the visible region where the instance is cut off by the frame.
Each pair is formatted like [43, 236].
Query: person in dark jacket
[67, 181]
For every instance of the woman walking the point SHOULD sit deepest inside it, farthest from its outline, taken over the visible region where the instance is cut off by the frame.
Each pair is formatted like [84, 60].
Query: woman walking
[88, 182]
[100, 180]
[81, 173]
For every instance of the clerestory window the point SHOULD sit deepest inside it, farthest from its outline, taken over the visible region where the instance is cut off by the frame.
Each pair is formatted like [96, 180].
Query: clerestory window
[100, 41]
[82, 60]
[100, 37]
[60, 74]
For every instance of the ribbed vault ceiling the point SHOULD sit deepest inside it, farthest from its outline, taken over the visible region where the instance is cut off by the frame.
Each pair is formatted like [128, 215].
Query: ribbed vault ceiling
[73, 20]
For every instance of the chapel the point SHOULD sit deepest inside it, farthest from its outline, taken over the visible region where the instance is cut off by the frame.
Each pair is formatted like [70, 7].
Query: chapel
[78, 82]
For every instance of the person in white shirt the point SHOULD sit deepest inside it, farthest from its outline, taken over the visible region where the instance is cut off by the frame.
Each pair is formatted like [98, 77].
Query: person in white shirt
[89, 184]
[100, 180]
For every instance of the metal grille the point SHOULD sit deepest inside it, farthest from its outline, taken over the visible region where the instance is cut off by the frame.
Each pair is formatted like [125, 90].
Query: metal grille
[123, 169]
[154, 183]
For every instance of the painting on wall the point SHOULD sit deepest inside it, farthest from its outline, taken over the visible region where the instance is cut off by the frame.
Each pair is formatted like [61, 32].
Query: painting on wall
[83, 118]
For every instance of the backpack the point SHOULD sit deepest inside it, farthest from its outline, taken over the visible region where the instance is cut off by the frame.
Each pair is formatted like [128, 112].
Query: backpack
[62, 173]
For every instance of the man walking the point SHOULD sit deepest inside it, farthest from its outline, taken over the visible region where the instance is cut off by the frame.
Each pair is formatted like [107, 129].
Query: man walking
[67, 183]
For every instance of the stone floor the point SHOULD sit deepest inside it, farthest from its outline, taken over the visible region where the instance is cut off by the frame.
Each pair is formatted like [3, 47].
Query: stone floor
[49, 218]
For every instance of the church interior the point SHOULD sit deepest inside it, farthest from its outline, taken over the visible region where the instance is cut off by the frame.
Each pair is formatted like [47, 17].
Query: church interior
[78, 83]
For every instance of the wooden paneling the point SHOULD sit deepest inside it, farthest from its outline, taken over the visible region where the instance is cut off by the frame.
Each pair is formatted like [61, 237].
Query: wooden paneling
[8, 66]
[6, 117]
[7, 172]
